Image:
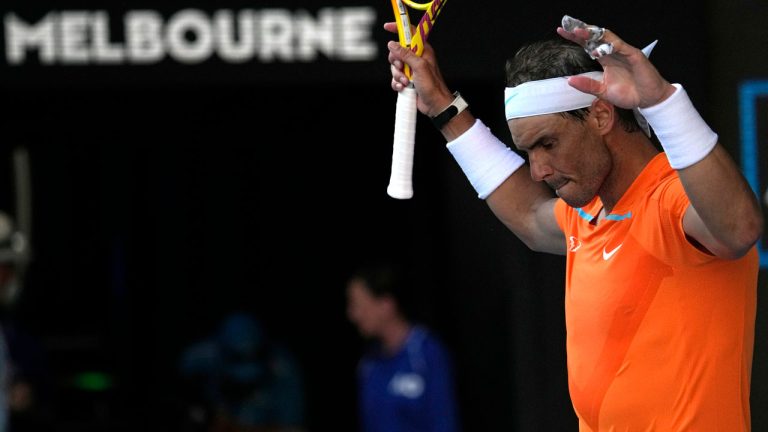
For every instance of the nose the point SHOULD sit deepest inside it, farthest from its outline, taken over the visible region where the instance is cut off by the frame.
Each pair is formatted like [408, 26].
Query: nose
[540, 169]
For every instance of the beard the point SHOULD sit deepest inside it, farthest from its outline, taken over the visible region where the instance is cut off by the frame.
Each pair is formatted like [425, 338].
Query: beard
[577, 201]
[578, 194]
[580, 190]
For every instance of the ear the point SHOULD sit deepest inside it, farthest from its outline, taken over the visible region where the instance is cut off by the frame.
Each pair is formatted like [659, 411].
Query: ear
[602, 116]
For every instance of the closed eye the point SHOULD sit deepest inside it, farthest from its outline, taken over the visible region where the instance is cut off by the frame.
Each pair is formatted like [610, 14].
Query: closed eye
[546, 145]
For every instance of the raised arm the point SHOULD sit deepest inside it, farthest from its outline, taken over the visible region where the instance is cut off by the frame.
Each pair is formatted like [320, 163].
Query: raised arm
[724, 215]
[498, 174]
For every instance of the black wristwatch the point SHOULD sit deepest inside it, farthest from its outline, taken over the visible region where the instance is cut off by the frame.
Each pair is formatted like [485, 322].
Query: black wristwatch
[458, 105]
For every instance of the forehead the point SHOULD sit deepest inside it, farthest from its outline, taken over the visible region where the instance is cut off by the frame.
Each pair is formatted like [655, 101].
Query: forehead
[526, 131]
[357, 290]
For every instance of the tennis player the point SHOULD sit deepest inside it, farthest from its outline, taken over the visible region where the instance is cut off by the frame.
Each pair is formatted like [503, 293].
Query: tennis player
[661, 264]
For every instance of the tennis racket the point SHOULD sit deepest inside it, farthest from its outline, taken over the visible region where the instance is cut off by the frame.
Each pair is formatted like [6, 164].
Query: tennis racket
[400, 180]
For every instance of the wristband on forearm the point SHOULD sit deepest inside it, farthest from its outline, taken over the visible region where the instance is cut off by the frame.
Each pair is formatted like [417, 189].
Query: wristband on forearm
[683, 134]
[485, 160]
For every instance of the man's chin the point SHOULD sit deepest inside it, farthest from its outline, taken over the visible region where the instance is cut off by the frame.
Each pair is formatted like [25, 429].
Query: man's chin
[575, 202]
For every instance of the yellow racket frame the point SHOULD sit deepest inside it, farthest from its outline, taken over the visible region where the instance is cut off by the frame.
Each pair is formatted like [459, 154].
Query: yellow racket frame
[405, 36]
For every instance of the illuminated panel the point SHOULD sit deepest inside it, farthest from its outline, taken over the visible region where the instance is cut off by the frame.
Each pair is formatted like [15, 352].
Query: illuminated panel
[753, 110]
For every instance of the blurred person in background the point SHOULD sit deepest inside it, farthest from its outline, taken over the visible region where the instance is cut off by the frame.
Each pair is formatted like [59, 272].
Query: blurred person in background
[405, 378]
[239, 380]
[25, 380]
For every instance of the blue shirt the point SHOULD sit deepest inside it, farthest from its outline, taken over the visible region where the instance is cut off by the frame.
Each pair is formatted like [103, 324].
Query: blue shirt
[410, 391]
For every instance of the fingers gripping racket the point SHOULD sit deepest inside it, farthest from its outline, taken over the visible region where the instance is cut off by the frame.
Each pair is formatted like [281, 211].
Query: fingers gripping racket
[400, 181]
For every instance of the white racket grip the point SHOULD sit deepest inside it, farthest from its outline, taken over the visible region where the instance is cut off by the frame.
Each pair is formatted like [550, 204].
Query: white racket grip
[400, 180]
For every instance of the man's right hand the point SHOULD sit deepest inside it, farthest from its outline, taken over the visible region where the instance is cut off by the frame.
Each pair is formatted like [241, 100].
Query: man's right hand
[433, 93]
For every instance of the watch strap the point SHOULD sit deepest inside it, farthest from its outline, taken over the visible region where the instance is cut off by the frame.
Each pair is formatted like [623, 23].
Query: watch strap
[458, 105]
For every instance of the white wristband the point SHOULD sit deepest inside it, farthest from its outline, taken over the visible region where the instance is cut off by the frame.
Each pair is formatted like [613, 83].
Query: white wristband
[683, 134]
[485, 160]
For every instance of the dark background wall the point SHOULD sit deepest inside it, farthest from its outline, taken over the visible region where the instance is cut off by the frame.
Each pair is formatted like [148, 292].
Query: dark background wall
[167, 195]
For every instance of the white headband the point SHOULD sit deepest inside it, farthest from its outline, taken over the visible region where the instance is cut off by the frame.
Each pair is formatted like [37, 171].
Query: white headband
[546, 96]
[555, 95]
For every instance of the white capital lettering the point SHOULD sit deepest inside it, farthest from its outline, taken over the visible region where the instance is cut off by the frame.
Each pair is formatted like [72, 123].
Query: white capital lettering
[104, 51]
[20, 37]
[355, 39]
[194, 23]
[143, 36]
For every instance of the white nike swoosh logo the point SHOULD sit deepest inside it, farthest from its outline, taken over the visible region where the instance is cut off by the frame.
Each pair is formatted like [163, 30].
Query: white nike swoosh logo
[608, 255]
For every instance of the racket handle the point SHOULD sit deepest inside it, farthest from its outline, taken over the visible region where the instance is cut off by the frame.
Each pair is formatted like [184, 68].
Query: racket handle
[400, 180]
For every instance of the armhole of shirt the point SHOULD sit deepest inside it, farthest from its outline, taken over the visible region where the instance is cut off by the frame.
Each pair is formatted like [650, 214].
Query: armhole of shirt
[672, 200]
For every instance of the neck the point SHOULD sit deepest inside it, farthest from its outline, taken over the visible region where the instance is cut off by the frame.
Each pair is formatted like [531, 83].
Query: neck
[630, 153]
[395, 334]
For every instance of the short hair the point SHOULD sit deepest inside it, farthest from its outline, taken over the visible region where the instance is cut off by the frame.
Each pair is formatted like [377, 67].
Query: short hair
[387, 279]
[552, 58]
